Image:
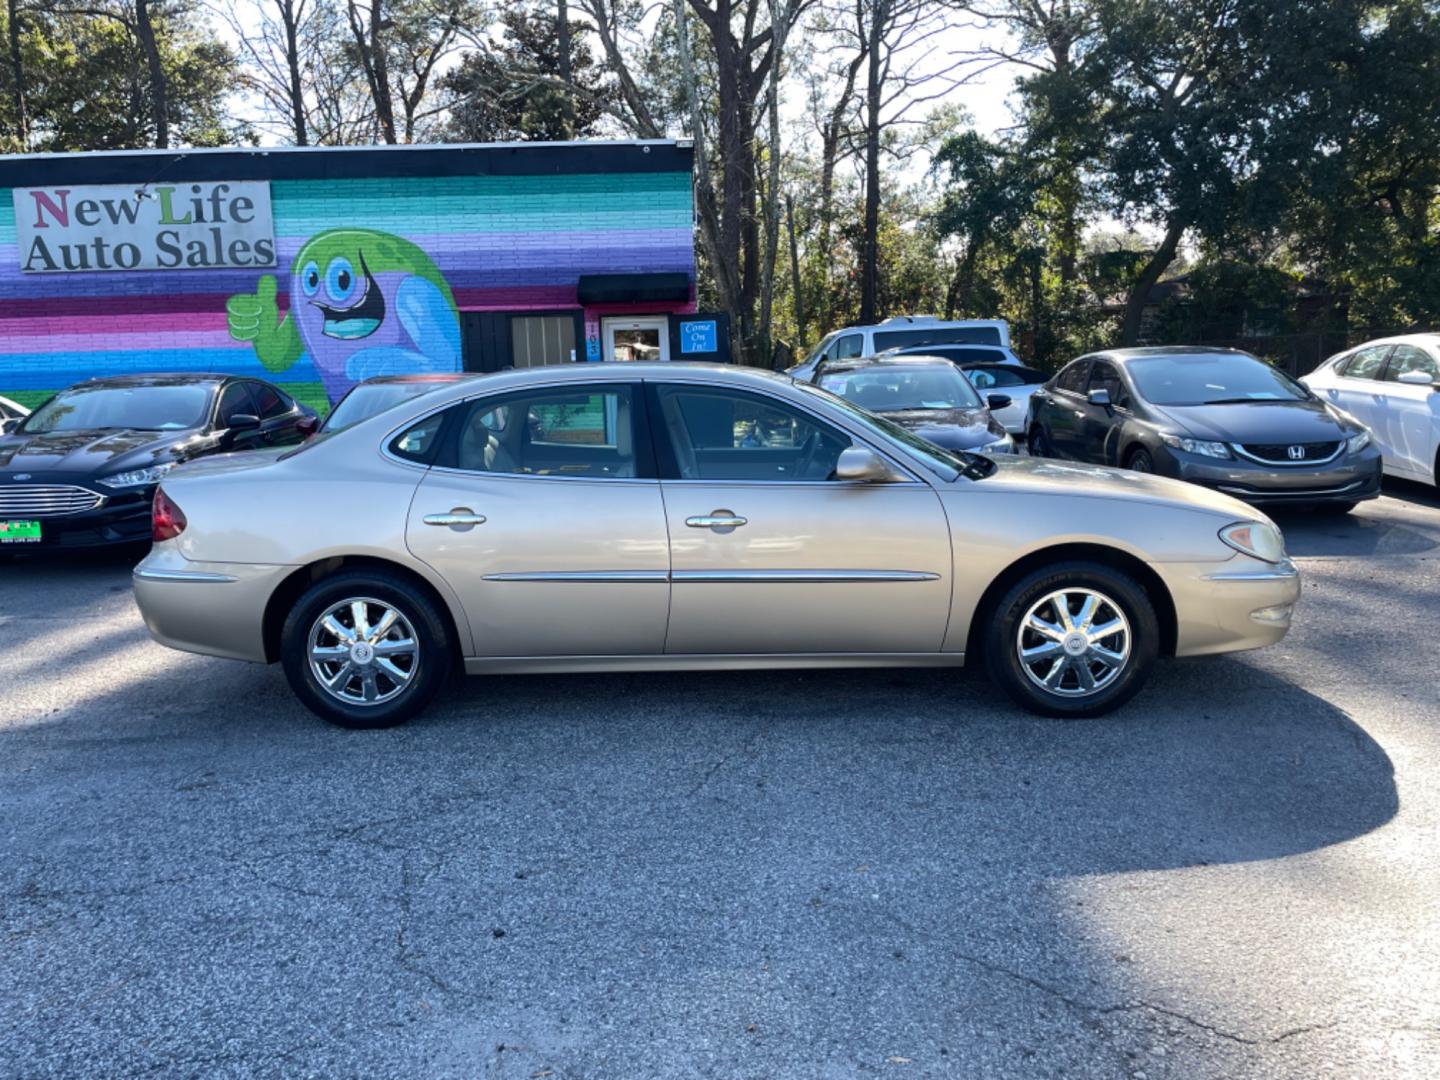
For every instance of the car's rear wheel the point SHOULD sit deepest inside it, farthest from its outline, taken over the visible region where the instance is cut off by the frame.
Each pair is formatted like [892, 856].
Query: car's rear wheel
[1037, 443]
[1071, 640]
[365, 649]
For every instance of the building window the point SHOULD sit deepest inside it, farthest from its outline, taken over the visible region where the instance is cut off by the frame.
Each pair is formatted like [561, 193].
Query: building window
[542, 339]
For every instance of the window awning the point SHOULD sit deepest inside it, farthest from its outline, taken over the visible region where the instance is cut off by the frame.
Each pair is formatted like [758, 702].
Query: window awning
[632, 288]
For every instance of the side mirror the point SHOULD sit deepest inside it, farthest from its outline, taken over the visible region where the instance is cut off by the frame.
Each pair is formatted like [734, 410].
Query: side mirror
[243, 422]
[1416, 378]
[1099, 397]
[306, 426]
[998, 401]
[861, 465]
[7, 426]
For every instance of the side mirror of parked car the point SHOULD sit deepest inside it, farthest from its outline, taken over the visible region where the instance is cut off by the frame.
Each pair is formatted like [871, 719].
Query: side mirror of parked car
[1417, 378]
[243, 422]
[1099, 397]
[860, 464]
[998, 401]
[306, 426]
[7, 426]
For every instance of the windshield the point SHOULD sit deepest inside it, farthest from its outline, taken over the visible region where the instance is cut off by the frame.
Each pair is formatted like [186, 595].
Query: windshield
[141, 408]
[1211, 380]
[366, 401]
[943, 462]
[964, 335]
[897, 389]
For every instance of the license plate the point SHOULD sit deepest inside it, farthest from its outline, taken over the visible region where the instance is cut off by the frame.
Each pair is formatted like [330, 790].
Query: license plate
[19, 532]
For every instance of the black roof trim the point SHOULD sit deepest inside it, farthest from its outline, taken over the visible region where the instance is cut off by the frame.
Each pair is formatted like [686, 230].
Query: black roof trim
[345, 162]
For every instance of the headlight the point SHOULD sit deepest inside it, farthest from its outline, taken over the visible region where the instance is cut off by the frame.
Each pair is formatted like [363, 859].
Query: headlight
[999, 446]
[1355, 443]
[1196, 446]
[1255, 538]
[138, 477]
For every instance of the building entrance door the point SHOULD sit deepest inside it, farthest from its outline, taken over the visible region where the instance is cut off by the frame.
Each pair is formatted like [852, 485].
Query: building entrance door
[640, 338]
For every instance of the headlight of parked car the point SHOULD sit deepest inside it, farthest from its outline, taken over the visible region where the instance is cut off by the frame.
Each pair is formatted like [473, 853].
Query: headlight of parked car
[1255, 538]
[1196, 446]
[137, 477]
[1005, 445]
[1356, 443]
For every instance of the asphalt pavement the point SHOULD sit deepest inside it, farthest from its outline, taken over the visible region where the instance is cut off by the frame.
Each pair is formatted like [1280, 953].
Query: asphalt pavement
[798, 874]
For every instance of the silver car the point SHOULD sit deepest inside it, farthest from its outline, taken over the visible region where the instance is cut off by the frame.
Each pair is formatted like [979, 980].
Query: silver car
[651, 516]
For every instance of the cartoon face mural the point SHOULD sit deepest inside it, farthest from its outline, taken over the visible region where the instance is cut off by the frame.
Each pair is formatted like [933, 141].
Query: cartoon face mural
[362, 303]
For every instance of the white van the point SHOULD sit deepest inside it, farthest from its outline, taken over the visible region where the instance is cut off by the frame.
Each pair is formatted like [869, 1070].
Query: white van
[903, 331]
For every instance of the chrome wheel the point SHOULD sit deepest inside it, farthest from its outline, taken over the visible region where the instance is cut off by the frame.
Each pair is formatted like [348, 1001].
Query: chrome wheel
[363, 651]
[1073, 642]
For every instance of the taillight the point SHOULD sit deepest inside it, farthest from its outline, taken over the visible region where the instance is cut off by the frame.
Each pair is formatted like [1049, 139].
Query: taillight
[167, 520]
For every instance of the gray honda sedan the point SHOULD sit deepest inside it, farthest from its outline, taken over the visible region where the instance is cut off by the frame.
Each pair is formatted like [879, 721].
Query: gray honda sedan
[599, 517]
[1215, 417]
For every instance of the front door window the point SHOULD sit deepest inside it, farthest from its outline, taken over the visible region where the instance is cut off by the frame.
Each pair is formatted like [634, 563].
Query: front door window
[637, 339]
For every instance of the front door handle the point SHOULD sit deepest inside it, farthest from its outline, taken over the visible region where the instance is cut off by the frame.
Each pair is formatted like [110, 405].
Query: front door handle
[719, 520]
[462, 517]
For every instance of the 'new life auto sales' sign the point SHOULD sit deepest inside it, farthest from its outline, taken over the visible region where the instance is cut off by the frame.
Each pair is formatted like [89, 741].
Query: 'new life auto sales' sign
[169, 226]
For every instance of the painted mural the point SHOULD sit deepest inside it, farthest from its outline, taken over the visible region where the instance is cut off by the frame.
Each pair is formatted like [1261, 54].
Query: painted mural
[371, 275]
[362, 303]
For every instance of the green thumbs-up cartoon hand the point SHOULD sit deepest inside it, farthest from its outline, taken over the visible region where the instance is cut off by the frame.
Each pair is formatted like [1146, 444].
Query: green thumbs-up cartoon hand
[255, 317]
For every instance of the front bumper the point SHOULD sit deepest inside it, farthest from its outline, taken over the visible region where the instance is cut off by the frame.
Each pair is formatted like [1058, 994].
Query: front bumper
[217, 609]
[1350, 478]
[1233, 606]
[122, 517]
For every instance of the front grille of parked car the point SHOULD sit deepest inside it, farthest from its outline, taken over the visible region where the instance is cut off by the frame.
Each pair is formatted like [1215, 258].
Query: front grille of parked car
[35, 500]
[1279, 453]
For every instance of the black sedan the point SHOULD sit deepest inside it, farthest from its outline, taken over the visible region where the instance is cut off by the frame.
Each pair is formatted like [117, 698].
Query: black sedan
[1215, 417]
[81, 469]
[924, 394]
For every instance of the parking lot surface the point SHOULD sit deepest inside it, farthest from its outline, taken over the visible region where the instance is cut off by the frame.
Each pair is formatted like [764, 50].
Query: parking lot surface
[811, 874]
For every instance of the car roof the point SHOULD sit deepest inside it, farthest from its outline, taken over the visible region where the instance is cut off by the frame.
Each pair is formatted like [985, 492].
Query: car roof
[855, 363]
[419, 377]
[1152, 351]
[1430, 338]
[162, 378]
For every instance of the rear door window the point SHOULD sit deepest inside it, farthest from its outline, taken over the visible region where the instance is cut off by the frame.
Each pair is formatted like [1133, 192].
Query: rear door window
[583, 432]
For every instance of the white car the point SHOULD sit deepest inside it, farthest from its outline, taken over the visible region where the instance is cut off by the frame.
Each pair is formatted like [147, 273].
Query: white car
[902, 332]
[11, 411]
[1392, 386]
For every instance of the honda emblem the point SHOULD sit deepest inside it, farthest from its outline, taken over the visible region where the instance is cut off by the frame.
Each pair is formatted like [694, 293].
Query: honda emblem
[1296, 453]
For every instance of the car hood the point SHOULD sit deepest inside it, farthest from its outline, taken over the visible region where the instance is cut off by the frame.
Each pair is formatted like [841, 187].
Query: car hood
[954, 429]
[1041, 476]
[1260, 422]
[92, 452]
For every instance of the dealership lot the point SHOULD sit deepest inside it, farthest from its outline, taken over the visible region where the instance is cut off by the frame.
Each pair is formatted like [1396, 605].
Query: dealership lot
[756, 874]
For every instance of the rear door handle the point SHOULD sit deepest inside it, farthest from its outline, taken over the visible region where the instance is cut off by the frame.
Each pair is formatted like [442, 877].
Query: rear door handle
[462, 517]
[718, 520]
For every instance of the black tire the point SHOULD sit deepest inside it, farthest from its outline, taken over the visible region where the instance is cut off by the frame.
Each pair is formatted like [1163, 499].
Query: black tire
[1140, 461]
[1037, 444]
[432, 658]
[1002, 639]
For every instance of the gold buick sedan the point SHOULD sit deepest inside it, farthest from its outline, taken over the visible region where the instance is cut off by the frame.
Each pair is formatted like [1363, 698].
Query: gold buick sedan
[620, 517]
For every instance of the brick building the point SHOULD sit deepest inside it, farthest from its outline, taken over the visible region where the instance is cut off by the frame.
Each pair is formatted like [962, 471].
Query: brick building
[316, 267]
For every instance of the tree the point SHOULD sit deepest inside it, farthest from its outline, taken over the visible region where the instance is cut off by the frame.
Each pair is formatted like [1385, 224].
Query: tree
[525, 86]
[399, 45]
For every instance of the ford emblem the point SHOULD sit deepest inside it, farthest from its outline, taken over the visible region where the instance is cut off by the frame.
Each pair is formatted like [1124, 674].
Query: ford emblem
[21, 476]
[1296, 453]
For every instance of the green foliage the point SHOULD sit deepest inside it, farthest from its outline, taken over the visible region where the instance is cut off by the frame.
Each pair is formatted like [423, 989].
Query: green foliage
[86, 86]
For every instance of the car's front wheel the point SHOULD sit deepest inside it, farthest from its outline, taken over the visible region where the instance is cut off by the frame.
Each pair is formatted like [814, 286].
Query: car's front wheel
[365, 649]
[1071, 640]
[1037, 443]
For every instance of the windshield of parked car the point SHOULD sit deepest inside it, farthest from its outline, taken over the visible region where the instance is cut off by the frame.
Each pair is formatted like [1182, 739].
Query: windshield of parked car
[897, 388]
[962, 335]
[139, 408]
[367, 400]
[1211, 380]
[944, 462]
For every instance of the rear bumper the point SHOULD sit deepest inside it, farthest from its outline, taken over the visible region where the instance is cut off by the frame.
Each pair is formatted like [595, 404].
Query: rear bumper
[213, 608]
[1231, 606]
[1352, 478]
